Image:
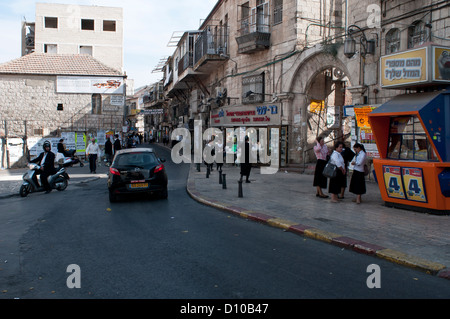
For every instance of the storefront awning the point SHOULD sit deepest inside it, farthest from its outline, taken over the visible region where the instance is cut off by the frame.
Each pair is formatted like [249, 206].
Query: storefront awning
[407, 103]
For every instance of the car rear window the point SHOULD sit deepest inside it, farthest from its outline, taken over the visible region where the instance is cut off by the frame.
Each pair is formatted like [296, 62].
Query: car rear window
[143, 160]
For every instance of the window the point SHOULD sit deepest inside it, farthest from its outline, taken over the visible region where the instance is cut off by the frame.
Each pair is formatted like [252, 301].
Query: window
[60, 107]
[87, 24]
[51, 23]
[109, 25]
[96, 104]
[393, 41]
[278, 11]
[418, 33]
[408, 140]
[253, 89]
[50, 48]
[86, 49]
[261, 15]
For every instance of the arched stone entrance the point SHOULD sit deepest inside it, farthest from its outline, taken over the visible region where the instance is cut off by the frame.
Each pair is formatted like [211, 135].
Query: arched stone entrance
[310, 79]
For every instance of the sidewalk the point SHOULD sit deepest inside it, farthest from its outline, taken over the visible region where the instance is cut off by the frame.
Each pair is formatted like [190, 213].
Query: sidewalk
[11, 179]
[288, 201]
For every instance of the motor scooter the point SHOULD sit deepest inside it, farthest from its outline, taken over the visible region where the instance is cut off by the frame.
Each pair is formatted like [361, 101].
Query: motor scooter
[58, 181]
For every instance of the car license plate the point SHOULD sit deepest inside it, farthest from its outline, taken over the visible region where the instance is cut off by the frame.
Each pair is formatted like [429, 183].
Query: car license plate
[139, 185]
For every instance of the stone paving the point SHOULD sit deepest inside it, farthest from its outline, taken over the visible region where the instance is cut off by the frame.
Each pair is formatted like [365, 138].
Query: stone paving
[288, 200]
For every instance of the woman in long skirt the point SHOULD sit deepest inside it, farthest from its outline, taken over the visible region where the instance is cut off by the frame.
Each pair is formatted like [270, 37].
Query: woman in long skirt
[320, 181]
[358, 182]
[337, 182]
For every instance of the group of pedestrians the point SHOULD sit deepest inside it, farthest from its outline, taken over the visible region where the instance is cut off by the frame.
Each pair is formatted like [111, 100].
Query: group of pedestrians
[340, 157]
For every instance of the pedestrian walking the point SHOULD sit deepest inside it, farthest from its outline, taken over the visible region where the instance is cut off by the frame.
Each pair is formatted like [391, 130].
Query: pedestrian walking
[358, 182]
[92, 151]
[246, 166]
[108, 151]
[337, 182]
[320, 181]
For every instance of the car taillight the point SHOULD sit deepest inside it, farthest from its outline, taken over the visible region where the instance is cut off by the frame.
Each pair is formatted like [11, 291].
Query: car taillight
[158, 168]
[114, 171]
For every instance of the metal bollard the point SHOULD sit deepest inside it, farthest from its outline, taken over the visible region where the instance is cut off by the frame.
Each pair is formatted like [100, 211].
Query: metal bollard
[240, 188]
[198, 167]
[224, 181]
[208, 171]
[220, 177]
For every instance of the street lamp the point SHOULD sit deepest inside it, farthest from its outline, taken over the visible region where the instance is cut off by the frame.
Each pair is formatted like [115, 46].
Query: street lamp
[367, 46]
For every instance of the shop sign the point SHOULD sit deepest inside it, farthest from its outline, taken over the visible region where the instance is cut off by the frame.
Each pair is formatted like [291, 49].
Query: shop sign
[412, 68]
[256, 115]
[405, 183]
[402, 69]
[362, 118]
[393, 182]
[90, 85]
[316, 106]
[414, 186]
[152, 111]
[441, 64]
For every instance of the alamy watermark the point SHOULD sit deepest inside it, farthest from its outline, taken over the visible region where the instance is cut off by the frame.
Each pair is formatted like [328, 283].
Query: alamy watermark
[210, 146]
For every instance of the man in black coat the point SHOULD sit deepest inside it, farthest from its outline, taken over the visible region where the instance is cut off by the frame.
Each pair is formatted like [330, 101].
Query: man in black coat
[246, 166]
[108, 150]
[117, 145]
[47, 162]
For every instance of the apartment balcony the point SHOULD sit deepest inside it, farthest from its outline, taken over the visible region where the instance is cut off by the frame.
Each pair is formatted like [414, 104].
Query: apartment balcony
[155, 96]
[211, 48]
[254, 35]
[185, 63]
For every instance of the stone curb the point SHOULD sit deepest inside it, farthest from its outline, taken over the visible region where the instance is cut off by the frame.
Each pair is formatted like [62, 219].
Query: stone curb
[356, 245]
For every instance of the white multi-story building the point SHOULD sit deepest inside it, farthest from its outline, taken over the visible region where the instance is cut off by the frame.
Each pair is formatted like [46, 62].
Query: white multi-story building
[77, 29]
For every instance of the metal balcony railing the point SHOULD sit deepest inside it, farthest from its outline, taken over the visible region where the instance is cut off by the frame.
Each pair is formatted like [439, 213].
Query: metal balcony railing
[185, 62]
[256, 22]
[212, 41]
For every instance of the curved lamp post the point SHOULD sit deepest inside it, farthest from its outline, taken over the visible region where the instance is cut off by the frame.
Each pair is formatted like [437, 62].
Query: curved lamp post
[367, 46]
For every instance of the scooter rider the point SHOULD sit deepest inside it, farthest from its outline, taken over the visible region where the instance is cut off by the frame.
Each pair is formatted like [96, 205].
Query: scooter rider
[47, 162]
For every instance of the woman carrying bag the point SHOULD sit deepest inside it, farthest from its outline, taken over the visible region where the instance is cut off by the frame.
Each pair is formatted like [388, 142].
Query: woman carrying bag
[358, 182]
[337, 182]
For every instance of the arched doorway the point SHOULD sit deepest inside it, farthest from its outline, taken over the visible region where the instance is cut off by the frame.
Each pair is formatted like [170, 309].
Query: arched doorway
[318, 85]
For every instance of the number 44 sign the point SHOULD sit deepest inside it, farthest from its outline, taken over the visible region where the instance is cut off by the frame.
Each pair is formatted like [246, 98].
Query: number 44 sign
[404, 183]
[413, 180]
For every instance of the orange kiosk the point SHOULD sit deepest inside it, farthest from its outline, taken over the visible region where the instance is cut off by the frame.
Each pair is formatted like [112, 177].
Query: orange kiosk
[412, 131]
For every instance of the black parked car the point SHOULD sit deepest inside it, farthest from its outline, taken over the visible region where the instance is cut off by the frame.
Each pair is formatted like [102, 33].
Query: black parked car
[136, 170]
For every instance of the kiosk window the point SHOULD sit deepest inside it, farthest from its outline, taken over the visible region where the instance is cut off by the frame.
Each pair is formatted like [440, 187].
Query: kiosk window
[408, 140]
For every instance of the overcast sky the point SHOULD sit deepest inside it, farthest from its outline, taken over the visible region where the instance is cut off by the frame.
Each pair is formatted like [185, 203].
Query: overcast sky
[148, 27]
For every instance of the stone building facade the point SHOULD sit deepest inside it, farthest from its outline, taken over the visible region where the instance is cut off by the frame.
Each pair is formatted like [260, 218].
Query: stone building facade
[290, 54]
[49, 95]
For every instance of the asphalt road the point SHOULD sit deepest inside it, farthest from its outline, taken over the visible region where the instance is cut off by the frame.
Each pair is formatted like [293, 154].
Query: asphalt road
[176, 249]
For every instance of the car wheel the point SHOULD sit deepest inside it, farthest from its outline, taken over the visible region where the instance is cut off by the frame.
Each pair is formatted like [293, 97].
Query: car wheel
[164, 194]
[112, 197]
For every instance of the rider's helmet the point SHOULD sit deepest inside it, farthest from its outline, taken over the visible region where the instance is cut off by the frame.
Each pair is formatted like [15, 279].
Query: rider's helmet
[47, 144]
